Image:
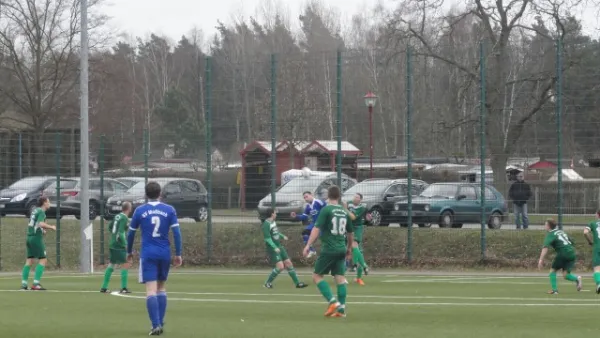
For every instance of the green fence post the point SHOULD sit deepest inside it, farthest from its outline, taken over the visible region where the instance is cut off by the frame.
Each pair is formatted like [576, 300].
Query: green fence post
[57, 145]
[273, 128]
[338, 157]
[408, 136]
[558, 112]
[208, 140]
[146, 151]
[101, 169]
[482, 147]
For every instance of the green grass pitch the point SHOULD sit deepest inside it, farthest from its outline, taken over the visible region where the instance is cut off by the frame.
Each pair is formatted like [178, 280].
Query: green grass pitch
[230, 303]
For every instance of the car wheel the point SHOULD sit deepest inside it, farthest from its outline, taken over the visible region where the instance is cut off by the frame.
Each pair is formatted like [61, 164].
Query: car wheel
[94, 210]
[30, 209]
[495, 221]
[425, 225]
[376, 216]
[202, 214]
[446, 219]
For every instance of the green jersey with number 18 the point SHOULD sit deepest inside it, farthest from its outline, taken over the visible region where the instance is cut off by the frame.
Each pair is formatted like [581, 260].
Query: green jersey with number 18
[333, 223]
[560, 241]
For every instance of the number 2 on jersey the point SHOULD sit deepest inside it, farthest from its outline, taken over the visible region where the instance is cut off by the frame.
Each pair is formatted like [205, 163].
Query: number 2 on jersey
[338, 225]
[156, 222]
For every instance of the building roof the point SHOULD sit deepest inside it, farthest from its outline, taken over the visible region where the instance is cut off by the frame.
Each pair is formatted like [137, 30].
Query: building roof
[542, 165]
[331, 147]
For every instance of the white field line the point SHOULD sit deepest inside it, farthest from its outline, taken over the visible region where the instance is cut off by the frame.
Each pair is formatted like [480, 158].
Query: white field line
[543, 301]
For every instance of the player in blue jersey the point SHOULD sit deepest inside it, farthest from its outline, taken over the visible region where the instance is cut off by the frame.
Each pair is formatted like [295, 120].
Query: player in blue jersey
[155, 219]
[311, 213]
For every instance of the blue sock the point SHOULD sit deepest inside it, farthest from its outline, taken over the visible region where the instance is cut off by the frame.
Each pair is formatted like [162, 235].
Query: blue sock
[162, 306]
[152, 306]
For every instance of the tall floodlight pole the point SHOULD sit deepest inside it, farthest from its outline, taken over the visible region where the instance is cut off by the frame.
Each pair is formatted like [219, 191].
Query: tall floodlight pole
[85, 229]
[370, 101]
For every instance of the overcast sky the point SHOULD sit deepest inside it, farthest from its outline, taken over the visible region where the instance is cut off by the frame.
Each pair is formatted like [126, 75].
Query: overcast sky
[174, 18]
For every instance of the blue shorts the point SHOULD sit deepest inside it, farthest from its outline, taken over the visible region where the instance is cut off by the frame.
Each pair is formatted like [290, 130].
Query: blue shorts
[153, 269]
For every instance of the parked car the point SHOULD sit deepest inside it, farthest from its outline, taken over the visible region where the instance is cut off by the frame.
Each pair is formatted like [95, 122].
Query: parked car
[21, 197]
[452, 205]
[188, 196]
[288, 198]
[380, 194]
[70, 195]
[130, 181]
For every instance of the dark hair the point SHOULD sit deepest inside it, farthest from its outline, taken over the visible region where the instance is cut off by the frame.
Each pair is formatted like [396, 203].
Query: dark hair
[552, 223]
[153, 190]
[360, 195]
[41, 201]
[306, 192]
[270, 212]
[125, 206]
[334, 193]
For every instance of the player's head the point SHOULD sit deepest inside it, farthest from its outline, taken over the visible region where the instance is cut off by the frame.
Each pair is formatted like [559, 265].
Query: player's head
[152, 190]
[272, 213]
[126, 208]
[43, 202]
[357, 198]
[308, 196]
[334, 193]
[550, 224]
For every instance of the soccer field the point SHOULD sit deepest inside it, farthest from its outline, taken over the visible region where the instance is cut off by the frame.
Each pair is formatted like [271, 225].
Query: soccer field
[231, 303]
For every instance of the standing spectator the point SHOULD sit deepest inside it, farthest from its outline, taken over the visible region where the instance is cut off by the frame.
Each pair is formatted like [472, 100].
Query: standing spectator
[519, 193]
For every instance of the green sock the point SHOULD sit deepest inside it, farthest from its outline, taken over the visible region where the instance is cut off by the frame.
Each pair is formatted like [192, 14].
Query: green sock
[342, 292]
[553, 281]
[597, 278]
[570, 277]
[361, 259]
[273, 275]
[124, 276]
[359, 272]
[326, 291]
[39, 271]
[292, 273]
[25, 277]
[107, 274]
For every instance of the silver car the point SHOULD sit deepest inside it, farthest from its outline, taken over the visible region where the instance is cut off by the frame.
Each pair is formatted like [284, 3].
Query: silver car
[288, 198]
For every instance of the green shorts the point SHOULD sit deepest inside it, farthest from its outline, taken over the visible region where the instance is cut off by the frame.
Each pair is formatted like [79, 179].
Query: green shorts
[35, 247]
[275, 257]
[563, 263]
[334, 263]
[117, 256]
[358, 236]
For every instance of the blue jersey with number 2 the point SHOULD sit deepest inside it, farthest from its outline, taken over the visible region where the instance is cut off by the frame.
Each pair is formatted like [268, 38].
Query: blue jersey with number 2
[155, 219]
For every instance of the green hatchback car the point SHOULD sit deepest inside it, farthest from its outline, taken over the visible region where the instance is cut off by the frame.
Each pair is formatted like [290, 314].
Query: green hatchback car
[450, 205]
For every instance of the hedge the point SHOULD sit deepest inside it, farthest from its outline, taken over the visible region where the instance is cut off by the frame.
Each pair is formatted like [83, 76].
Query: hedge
[241, 245]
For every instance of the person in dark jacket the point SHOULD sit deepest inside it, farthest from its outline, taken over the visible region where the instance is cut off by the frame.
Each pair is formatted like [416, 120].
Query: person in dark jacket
[519, 193]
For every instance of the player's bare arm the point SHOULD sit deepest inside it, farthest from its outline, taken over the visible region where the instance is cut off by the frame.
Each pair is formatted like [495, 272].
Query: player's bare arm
[542, 256]
[45, 225]
[350, 213]
[588, 236]
[350, 246]
[314, 234]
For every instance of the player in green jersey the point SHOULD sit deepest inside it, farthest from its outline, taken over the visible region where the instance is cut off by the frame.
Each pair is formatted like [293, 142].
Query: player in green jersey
[118, 249]
[565, 256]
[36, 248]
[334, 229]
[357, 211]
[592, 234]
[277, 253]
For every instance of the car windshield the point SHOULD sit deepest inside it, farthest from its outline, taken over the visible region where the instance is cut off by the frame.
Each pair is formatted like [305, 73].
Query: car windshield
[440, 191]
[28, 183]
[368, 188]
[64, 184]
[140, 187]
[300, 185]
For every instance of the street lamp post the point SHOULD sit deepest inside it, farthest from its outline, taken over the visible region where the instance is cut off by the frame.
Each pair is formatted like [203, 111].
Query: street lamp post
[370, 101]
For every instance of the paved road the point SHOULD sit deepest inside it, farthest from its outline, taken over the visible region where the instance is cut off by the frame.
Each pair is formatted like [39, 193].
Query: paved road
[254, 221]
